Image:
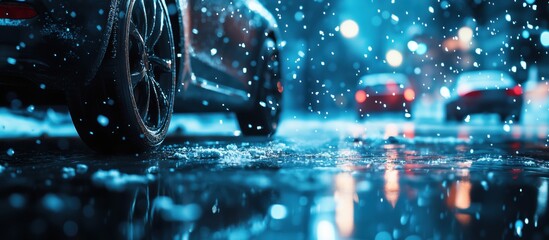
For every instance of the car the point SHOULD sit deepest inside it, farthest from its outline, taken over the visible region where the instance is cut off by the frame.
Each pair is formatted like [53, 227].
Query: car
[384, 92]
[124, 66]
[486, 91]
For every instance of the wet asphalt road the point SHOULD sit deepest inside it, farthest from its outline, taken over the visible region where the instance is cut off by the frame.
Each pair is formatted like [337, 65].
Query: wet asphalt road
[315, 180]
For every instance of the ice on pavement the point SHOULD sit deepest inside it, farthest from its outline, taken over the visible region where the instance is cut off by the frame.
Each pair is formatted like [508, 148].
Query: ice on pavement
[179, 156]
[209, 153]
[514, 161]
[171, 211]
[116, 181]
[230, 153]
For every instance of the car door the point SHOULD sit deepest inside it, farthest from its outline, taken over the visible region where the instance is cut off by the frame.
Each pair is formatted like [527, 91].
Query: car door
[222, 39]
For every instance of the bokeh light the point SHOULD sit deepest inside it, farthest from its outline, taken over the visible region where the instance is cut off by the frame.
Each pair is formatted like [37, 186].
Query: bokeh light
[413, 46]
[445, 92]
[278, 211]
[360, 96]
[394, 58]
[349, 29]
[421, 49]
[545, 39]
[409, 95]
[465, 35]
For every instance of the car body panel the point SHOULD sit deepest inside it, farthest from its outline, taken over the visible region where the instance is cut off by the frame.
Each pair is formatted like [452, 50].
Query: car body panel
[484, 92]
[222, 47]
[491, 103]
[482, 81]
[64, 43]
[218, 48]
[385, 92]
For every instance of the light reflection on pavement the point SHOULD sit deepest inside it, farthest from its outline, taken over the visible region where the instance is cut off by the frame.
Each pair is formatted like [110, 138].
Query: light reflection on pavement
[318, 179]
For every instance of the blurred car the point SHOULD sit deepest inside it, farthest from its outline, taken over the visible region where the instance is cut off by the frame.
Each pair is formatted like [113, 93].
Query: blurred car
[486, 91]
[124, 66]
[385, 92]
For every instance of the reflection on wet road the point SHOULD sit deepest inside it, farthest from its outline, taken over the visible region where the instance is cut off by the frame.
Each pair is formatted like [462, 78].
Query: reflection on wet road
[316, 180]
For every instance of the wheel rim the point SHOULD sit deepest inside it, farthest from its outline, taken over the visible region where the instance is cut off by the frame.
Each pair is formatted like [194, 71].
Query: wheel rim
[272, 86]
[151, 61]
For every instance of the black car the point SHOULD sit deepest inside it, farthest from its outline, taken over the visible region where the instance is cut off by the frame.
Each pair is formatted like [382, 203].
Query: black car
[486, 91]
[125, 65]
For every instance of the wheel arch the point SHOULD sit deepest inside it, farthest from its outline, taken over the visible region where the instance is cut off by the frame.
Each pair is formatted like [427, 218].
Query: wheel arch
[105, 40]
[267, 35]
[178, 22]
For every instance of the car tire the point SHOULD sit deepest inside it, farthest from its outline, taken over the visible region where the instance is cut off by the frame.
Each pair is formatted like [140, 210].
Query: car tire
[127, 106]
[264, 117]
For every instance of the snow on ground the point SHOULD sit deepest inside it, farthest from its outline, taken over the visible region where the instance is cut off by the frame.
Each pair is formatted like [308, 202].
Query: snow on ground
[18, 126]
[427, 116]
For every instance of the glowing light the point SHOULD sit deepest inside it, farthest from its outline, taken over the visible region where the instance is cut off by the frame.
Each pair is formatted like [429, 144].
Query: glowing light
[542, 197]
[463, 133]
[299, 16]
[325, 230]
[525, 34]
[11, 61]
[391, 177]
[391, 187]
[545, 39]
[409, 131]
[391, 130]
[463, 194]
[409, 95]
[360, 96]
[394, 58]
[278, 211]
[517, 90]
[445, 92]
[465, 35]
[413, 46]
[102, 120]
[421, 49]
[460, 196]
[279, 87]
[349, 29]
[345, 198]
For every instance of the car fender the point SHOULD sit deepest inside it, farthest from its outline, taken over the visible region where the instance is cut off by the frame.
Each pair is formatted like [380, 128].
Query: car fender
[91, 25]
[268, 29]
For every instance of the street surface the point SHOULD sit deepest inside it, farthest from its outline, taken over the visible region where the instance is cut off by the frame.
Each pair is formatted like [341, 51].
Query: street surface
[317, 179]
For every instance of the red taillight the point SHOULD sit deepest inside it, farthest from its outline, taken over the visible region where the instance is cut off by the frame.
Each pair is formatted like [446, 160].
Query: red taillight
[360, 96]
[472, 94]
[279, 87]
[516, 91]
[409, 95]
[16, 11]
